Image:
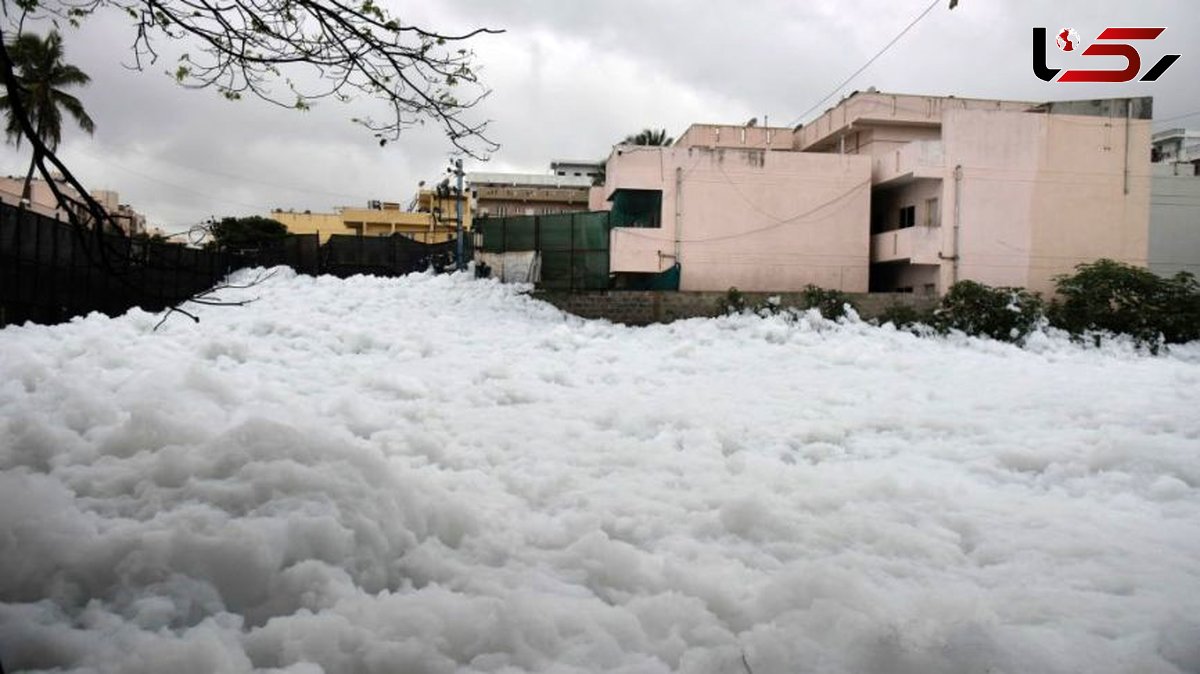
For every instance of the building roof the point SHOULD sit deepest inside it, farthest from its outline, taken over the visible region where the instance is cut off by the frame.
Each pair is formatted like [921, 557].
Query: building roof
[872, 107]
[528, 179]
[593, 163]
[1168, 134]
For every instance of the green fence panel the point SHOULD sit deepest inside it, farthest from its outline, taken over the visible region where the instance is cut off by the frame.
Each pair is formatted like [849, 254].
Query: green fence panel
[589, 270]
[555, 232]
[493, 234]
[573, 246]
[590, 231]
[520, 233]
[556, 270]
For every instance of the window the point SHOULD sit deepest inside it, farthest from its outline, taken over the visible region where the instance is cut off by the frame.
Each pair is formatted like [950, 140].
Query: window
[933, 213]
[908, 216]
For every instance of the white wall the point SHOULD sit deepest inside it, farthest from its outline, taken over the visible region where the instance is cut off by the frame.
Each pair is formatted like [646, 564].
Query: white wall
[1174, 221]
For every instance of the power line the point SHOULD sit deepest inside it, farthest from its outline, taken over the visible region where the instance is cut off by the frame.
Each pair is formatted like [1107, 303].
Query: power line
[1183, 116]
[866, 65]
[306, 190]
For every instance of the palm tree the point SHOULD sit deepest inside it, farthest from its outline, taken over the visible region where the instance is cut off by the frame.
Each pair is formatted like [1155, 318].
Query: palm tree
[650, 137]
[43, 76]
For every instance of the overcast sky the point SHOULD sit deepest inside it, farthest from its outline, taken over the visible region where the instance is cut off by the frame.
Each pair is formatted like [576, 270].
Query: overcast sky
[569, 78]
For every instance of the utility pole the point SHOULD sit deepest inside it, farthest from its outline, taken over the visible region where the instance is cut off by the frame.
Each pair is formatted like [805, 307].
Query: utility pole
[459, 263]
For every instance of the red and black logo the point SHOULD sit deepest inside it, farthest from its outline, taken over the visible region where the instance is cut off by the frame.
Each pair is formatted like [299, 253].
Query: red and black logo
[1112, 42]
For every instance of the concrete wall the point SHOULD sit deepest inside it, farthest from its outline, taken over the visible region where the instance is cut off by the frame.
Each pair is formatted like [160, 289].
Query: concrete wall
[43, 201]
[597, 200]
[1043, 193]
[752, 219]
[895, 111]
[647, 307]
[325, 224]
[356, 221]
[1174, 220]
[736, 137]
[887, 202]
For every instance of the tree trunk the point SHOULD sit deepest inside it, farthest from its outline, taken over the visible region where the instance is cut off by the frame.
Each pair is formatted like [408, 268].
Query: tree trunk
[27, 192]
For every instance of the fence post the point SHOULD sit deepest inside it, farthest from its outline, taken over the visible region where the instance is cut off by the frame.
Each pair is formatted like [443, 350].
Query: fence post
[175, 277]
[55, 286]
[17, 256]
[73, 276]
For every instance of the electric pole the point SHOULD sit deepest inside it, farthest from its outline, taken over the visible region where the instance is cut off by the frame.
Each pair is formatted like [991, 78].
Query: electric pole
[459, 263]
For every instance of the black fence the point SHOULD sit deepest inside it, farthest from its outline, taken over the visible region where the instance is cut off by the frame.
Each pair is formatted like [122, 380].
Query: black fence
[51, 271]
[396, 255]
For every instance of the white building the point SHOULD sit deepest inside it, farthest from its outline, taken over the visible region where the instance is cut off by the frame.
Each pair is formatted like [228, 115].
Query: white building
[1176, 145]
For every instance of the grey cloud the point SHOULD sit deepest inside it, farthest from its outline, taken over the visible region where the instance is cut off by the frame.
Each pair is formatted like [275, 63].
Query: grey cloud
[568, 80]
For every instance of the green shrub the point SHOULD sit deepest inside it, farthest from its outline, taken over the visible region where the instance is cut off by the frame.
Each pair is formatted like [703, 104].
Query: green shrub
[1110, 296]
[247, 232]
[904, 316]
[832, 304]
[733, 302]
[1006, 314]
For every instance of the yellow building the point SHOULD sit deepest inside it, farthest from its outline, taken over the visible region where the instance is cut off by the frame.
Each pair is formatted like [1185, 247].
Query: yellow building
[431, 220]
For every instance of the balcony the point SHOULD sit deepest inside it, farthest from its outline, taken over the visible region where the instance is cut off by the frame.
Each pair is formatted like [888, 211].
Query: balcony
[531, 194]
[918, 159]
[915, 245]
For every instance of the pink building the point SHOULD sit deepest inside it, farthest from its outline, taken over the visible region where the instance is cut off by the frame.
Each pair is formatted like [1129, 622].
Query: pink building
[43, 201]
[892, 193]
[732, 211]
[1001, 192]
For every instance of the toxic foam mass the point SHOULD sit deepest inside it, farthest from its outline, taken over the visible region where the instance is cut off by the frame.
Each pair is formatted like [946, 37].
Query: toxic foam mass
[437, 474]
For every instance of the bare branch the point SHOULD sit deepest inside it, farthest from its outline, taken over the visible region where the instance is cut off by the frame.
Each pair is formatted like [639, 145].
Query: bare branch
[206, 298]
[292, 53]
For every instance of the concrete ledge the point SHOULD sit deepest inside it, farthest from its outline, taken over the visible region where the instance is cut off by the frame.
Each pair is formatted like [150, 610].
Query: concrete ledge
[644, 307]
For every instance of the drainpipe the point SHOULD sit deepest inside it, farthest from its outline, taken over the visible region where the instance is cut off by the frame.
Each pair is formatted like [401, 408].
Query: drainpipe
[958, 172]
[678, 215]
[1128, 118]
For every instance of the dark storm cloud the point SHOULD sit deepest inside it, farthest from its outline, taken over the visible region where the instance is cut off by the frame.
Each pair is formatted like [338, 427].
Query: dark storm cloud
[569, 79]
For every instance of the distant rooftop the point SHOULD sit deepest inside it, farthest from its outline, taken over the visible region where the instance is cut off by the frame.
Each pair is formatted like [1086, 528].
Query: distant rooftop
[530, 179]
[877, 107]
[1176, 133]
[577, 162]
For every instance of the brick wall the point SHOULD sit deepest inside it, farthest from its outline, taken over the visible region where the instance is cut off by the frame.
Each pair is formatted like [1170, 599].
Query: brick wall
[636, 307]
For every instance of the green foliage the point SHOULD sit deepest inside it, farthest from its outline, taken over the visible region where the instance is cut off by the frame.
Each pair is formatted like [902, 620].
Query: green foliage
[42, 75]
[259, 49]
[832, 304]
[249, 232]
[734, 302]
[651, 137]
[1005, 314]
[904, 316]
[1109, 296]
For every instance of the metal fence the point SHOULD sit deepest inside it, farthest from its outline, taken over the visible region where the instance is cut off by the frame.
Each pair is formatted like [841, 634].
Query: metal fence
[396, 255]
[51, 271]
[573, 247]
